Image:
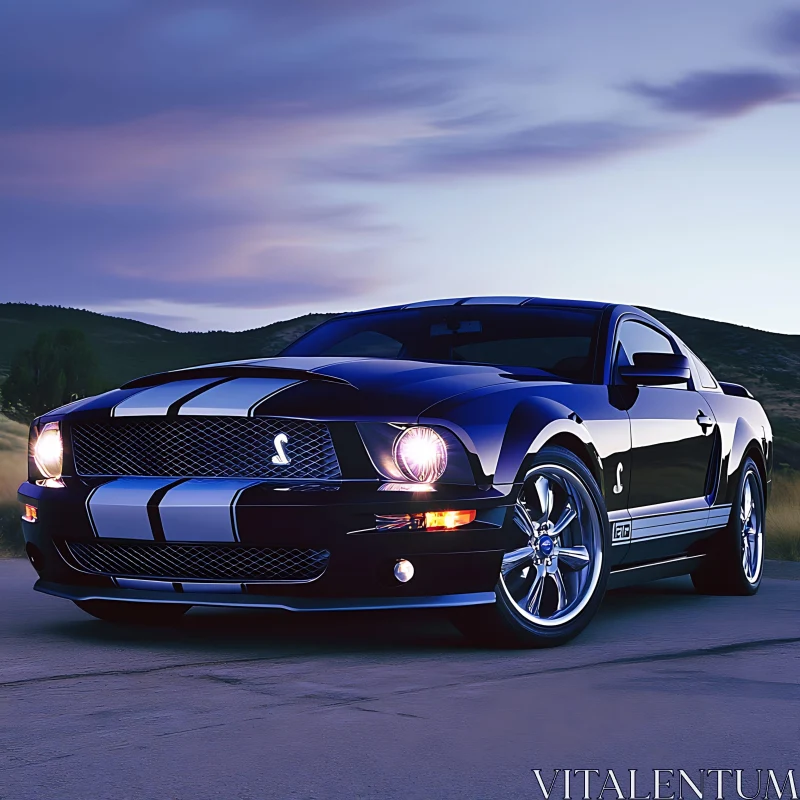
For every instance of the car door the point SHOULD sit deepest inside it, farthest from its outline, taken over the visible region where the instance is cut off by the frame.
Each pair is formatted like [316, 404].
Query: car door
[672, 442]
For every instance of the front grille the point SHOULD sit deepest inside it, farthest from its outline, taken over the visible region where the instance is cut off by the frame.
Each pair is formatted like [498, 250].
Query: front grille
[204, 447]
[200, 562]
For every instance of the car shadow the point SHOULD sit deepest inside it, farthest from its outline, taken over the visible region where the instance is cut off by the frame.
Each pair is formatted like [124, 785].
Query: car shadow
[252, 633]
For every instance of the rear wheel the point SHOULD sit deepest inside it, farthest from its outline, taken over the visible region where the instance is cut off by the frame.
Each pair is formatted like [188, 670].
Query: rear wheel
[133, 613]
[552, 585]
[735, 562]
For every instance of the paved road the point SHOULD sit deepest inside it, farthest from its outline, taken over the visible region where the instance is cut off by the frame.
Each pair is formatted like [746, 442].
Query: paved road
[262, 705]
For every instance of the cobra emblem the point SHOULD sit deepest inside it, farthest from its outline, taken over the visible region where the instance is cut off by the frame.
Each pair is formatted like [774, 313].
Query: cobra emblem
[280, 442]
[619, 487]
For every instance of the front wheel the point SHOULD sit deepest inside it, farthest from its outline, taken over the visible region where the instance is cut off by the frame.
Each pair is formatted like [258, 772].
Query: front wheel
[133, 613]
[551, 586]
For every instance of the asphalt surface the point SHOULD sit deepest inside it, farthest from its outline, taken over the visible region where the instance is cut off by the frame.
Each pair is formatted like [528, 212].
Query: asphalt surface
[379, 705]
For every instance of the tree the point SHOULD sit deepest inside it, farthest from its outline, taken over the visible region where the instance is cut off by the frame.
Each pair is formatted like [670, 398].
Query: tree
[59, 368]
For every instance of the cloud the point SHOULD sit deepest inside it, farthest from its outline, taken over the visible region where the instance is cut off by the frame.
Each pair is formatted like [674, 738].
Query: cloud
[151, 150]
[719, 94]
[94, 254]
[271, 60]
[534, 149]
[784, 34]
[201, 152]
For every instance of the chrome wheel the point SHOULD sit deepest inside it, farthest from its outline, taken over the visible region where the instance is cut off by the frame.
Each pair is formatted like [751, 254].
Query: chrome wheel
[751, 515]
[553, 576]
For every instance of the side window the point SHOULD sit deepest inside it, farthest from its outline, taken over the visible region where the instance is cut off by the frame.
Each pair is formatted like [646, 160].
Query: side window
[636, 337]
[707, 380]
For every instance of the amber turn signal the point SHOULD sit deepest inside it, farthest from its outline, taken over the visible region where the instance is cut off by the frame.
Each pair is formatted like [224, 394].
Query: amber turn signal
[31, 514]
[447, 520]
[429, 521]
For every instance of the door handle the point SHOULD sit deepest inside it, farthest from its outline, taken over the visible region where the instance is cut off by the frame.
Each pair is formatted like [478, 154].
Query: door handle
[706, 423]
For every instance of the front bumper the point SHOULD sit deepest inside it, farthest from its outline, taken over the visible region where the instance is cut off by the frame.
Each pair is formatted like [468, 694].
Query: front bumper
[452, 568]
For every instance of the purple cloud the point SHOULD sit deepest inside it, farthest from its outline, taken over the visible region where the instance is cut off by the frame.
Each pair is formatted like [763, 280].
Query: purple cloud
[85, 254]
[271, 60]
[719, 94]
[194, 151]
[784, 34]
[535, 149]
[151, 150]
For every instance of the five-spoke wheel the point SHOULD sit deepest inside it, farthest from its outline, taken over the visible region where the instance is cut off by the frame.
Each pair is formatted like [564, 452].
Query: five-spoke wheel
[552, 582]
[552, 575]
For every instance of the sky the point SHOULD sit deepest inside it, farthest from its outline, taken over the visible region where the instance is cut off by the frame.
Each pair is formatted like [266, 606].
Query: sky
[223, 165]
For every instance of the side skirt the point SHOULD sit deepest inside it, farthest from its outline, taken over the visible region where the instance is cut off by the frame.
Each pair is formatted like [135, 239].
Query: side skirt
[642, 573]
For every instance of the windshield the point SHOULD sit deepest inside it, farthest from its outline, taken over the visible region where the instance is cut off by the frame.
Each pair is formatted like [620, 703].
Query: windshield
[557, 341]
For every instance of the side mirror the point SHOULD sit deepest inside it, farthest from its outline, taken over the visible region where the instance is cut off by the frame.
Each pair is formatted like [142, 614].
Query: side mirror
[657, 369]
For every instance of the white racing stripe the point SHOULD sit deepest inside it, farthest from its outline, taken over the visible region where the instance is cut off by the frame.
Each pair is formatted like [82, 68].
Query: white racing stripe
[118, 509]
[155, 402]
[236, 398]
[190, 587]
[202, 510]
[226, 588]
[139, 583]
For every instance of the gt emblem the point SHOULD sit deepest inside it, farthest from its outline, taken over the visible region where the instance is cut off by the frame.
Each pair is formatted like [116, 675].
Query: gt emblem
[621, 532]
[619, 487]
[280, 442]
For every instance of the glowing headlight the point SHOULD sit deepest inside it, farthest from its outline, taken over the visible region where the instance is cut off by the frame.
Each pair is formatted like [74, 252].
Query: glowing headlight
[48, 452]
[420, 454]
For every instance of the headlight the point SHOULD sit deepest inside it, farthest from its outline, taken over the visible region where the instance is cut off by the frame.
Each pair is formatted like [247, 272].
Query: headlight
[48, 452]
[420, 454]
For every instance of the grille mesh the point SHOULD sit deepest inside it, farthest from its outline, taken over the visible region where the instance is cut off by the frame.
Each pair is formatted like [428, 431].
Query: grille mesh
[179, 561]
[204, 447]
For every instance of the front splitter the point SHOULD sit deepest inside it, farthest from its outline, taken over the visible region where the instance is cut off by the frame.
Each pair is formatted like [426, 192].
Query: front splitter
[83, 593]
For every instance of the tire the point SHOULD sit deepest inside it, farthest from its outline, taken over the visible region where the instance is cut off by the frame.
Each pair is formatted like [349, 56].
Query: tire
[552, 585]
[727, 571]
[122, 613]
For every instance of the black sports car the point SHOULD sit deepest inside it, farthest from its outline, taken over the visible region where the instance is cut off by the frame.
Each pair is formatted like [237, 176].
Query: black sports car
[506, 458]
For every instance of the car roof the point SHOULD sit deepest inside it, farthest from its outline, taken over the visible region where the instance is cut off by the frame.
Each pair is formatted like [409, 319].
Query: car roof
[491, 300]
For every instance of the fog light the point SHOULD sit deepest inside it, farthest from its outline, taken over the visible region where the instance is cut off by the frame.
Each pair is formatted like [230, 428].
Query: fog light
[404, 570]
[31, 514]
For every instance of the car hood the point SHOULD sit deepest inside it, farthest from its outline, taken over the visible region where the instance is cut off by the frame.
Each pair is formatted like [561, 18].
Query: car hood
[308, 387]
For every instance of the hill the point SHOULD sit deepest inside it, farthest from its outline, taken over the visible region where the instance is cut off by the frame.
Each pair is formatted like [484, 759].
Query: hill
[126, 348]
[767, 363]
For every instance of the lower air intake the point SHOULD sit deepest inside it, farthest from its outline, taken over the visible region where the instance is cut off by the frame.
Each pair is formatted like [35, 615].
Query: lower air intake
[200, 562]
